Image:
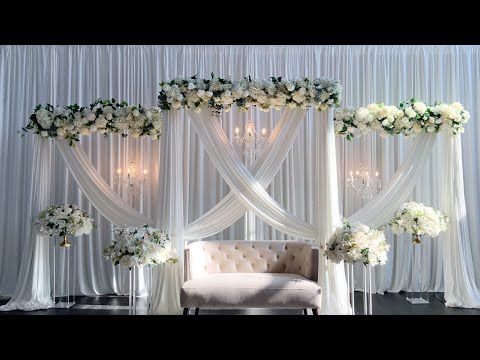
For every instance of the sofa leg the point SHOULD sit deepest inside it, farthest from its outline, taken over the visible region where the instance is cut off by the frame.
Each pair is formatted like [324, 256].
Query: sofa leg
[196, 311]
[185, 311]
[315, 311]
[305, 312]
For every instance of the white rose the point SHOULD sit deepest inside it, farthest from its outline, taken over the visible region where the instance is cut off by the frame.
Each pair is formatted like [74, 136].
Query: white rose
[431, 128]
[44, 134]
[417, 128]
[109, 116]
[84, 131]
[61, 132]
[290, 86]
[91, 117]
[209, 94]
[410, 112]
[191, 86]
[420, 107]
[136, 113]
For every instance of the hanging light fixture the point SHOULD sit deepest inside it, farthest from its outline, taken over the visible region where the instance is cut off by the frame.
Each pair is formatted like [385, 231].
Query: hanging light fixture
[250, 142]
[130, 179]
[363, 183]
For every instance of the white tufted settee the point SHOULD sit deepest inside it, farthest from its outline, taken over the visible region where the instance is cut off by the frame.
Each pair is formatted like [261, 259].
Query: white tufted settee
[251, 274]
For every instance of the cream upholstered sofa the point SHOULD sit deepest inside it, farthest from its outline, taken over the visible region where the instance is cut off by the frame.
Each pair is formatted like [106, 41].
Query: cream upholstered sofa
[251, 274]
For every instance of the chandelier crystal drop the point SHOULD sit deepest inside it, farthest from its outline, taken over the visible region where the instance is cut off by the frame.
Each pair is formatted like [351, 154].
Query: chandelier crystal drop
[362, 183]
[130, 179]
[250, 142]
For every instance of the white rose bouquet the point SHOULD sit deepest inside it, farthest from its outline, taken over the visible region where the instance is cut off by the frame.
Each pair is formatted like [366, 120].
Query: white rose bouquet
[140, 246]
[63, 220]
[417, 219]
[357, 243]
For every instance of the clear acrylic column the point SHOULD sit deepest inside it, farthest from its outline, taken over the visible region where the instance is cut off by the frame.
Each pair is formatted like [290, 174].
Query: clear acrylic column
[418, 293]
[132, 287]
[66, 296]
[367, 290]
[350, 288]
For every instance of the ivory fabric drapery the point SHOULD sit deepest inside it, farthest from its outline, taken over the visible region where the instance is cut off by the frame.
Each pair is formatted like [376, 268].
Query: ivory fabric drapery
[246, 188]
[460, 287]
[229, 209]
[384, 204]
[68, 74]
[33, 288]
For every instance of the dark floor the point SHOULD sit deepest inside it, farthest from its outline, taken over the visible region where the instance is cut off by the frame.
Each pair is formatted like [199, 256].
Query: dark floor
[388, 304]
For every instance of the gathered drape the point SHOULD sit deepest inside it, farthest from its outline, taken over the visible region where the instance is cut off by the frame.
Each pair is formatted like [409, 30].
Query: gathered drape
[33, 287]
[229, 209]
[247, 189]
[384, 205]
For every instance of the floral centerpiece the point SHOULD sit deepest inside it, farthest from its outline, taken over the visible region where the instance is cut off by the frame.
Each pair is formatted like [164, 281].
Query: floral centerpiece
[357, 243]
[63, 220]
[140, 246]
[409, 118]
[220, 94]
[417, 219]
[102, 117]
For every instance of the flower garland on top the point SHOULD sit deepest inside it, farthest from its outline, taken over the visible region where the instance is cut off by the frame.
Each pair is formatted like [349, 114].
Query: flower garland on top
[220, 94]
[409, 119]
[103, 117]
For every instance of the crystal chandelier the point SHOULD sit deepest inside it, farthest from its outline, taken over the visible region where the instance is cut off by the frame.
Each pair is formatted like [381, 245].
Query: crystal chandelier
[250, 143]
[362, 183]
[129, 180]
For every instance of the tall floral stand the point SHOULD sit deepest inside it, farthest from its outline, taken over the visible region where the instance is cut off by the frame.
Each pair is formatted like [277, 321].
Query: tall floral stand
[67, 295]
[418, 294]
[132, 289]
[367, 289]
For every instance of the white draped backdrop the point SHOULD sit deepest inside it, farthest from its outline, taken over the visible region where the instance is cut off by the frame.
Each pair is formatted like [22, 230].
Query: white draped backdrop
[68, 74]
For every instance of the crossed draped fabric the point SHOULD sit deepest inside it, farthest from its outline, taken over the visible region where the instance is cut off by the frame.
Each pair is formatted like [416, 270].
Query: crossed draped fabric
[247, 192]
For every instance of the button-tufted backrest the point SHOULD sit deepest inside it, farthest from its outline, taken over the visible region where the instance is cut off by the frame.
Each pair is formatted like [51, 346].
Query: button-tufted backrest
[229, 256]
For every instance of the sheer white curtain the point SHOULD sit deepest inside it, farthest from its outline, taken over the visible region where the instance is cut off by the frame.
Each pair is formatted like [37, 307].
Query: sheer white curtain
[33, 291]
[68, 74]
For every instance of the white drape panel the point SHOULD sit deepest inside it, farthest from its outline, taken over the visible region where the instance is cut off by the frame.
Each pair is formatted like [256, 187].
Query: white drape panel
[68, 74]
[460, 287]
[33, 288]
[97, 191]
[241, 181]
[168, 279]
[229, 209]
[383, 206]
[331, 276]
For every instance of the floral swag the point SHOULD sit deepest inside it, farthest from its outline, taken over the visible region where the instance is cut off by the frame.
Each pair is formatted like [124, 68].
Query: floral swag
[409, 119]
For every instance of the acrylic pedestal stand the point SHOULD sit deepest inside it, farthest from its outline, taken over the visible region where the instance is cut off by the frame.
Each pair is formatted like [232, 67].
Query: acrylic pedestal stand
[132, 288]
[418, 295]
[367, 289]
[66, 287]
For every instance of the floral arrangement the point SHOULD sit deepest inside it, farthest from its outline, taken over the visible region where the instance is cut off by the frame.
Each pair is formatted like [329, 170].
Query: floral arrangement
[103, 117]
[62, 220]
[220, 94]
[409, 119]
[140, 246]
[418, 219]
[357, 243]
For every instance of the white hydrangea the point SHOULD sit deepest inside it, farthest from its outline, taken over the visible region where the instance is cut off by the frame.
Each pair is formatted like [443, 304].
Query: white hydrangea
[418, 219]
[140, 246]
[357, 243]
[61, 220]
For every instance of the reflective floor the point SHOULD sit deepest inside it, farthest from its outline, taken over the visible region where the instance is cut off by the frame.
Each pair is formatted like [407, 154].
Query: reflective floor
[388, 304]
